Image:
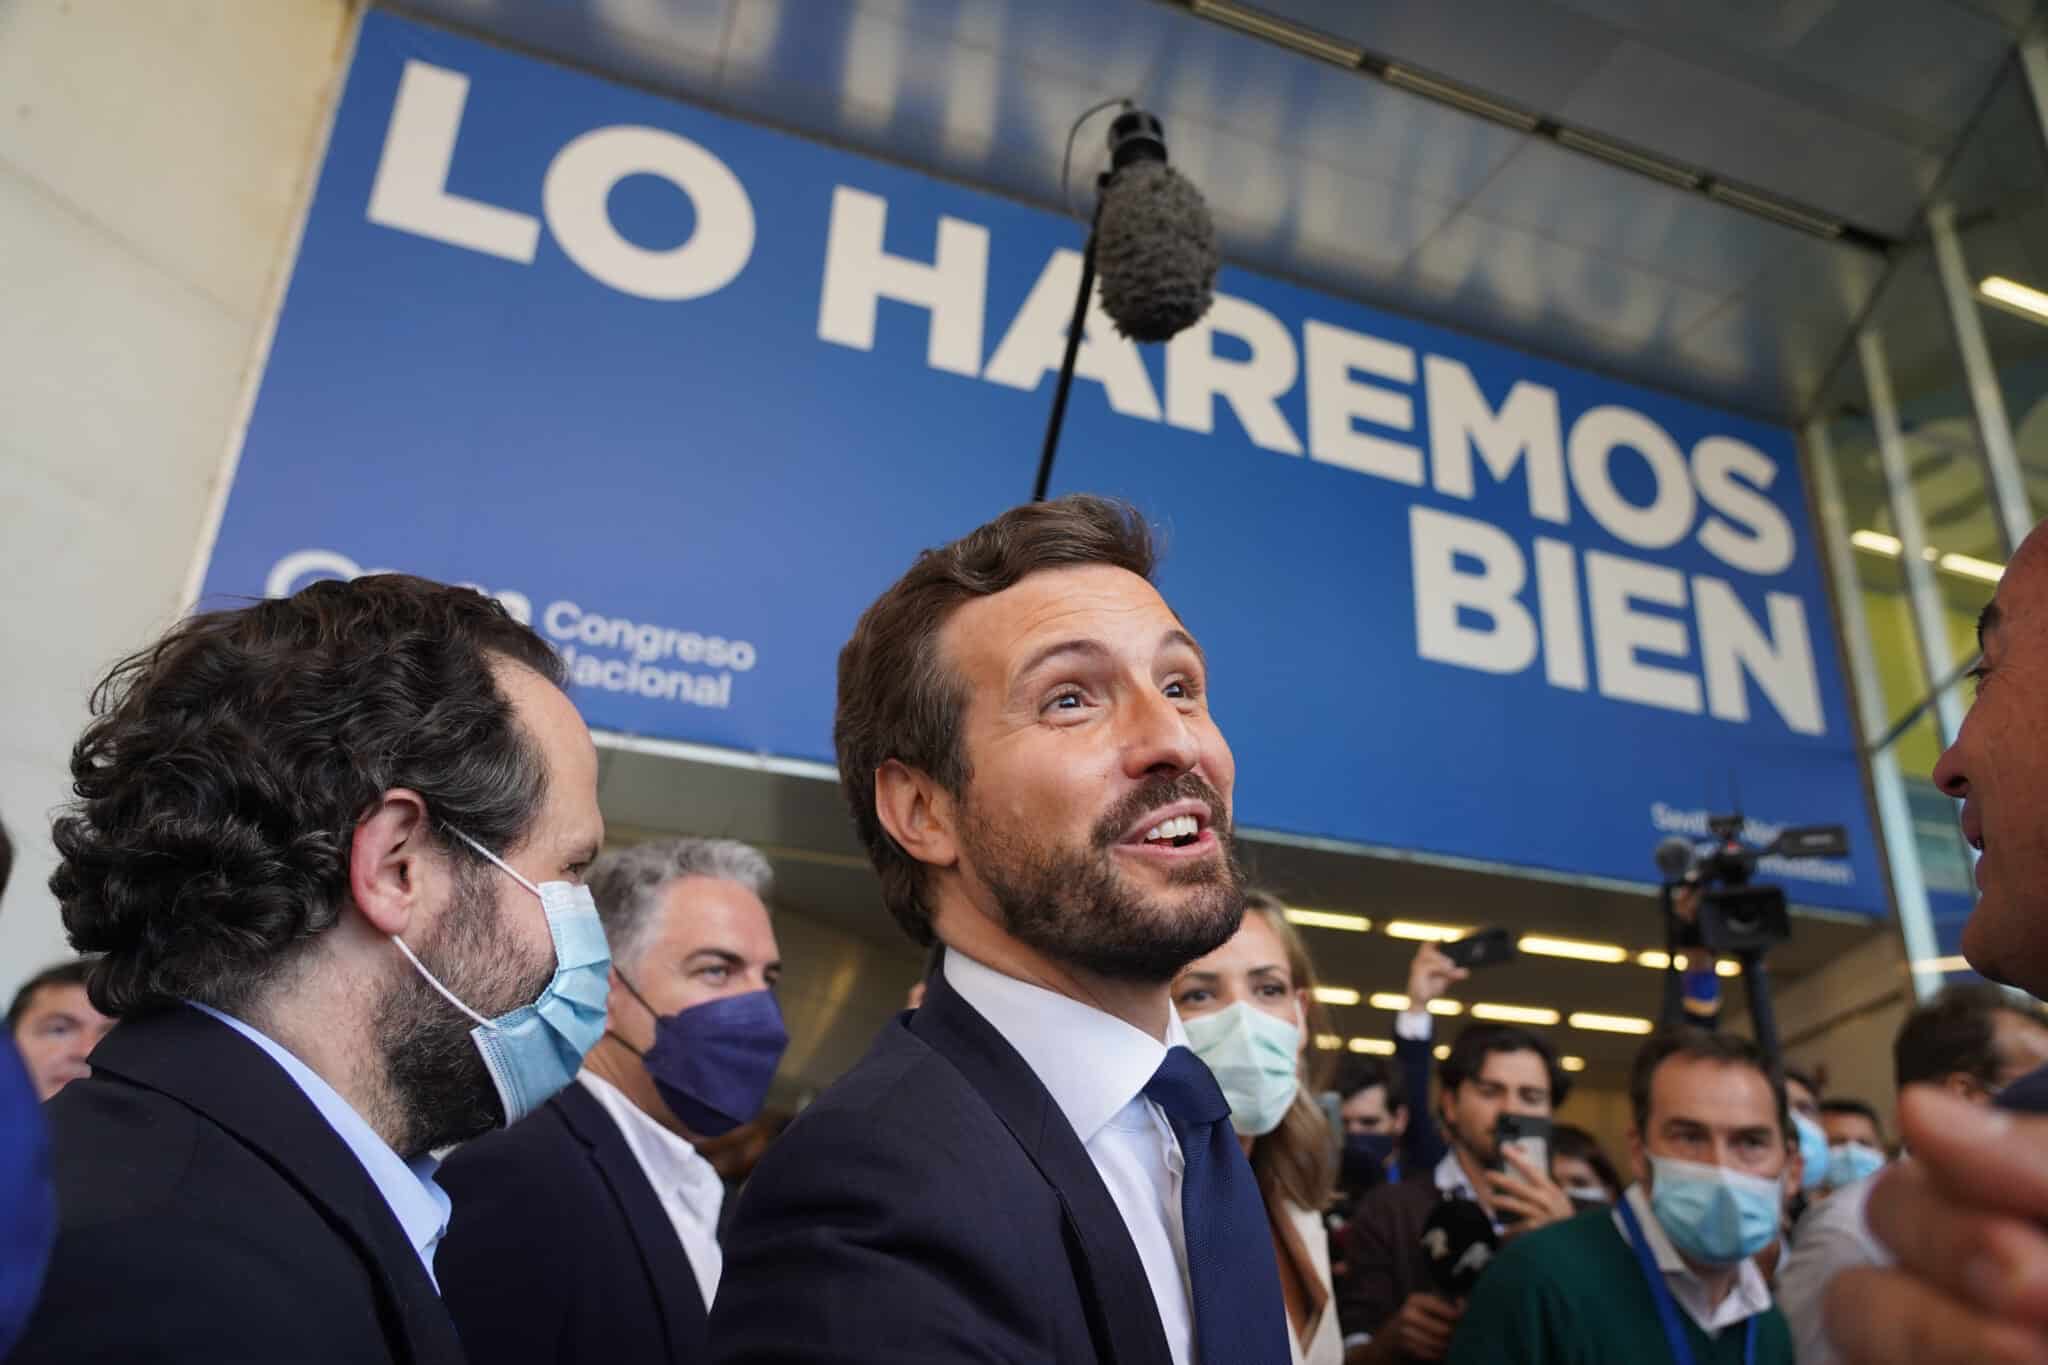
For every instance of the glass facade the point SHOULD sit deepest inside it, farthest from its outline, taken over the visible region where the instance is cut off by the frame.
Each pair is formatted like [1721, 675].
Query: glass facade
[1933, 431]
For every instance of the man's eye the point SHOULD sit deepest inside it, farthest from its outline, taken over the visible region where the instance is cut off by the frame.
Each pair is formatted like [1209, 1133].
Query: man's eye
[1064, 701]
[1195, 996]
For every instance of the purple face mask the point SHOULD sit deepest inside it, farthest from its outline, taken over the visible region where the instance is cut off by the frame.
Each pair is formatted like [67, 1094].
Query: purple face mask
[712, 1063]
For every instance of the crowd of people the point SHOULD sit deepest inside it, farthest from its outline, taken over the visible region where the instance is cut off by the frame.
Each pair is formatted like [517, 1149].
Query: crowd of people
[374, 1053]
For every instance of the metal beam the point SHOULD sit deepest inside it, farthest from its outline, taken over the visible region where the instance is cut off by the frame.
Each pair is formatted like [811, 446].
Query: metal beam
[1887, 784]
[2006, 484]
[1923, 596]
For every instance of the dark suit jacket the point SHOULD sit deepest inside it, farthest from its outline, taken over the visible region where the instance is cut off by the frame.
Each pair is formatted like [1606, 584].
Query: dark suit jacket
[560, 1249]
[207, 1213]
[1422, 1146]
[1384, 1260]
[933, 1205]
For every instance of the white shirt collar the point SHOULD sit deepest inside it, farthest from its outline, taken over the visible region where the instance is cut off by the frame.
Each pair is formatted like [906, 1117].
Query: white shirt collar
[1750, 1296]
[420, 1205]
[1092, 1063]
[1450, 1178]
[671, 1162]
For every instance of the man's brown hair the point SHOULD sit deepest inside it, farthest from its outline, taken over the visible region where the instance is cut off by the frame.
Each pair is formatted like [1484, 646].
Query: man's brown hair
[899, 700]
[227, 765]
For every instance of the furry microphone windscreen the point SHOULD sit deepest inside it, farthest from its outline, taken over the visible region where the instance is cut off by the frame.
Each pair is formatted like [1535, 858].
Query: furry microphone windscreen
[1156, 252]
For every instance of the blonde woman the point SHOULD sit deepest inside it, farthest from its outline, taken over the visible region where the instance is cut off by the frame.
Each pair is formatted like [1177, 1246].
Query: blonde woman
[1249, 1010]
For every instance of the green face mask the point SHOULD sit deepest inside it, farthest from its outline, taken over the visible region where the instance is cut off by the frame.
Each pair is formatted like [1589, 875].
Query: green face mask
[1253, 1056]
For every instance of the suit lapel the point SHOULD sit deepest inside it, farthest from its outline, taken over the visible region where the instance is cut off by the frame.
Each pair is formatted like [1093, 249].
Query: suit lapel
[669, 1273]
[211, 1069]
[1122, 1313]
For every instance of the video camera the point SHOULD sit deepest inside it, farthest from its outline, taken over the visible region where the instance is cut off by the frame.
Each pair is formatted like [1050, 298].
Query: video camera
[1735, 916]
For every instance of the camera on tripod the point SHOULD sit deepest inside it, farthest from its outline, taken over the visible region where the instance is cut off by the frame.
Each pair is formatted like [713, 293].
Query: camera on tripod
[1736, 916]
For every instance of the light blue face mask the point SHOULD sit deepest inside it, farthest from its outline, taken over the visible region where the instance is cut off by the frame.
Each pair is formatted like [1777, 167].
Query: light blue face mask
[1254, 1058]
[1813, 1150]
[533, 1051]
[1849, 1162]
[1711, 1213]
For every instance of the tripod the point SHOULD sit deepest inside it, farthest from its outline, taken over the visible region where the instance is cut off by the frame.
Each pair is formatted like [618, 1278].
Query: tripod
[1679, 936]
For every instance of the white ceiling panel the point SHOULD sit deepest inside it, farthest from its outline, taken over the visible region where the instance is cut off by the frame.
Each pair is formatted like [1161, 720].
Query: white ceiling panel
[1562, 194]
[1112, 44]
[1524, 51]
[2000, 166]
[2013, 15]
[1737, 129]
[672, 43]
[1536, 285]
[1360, 232]
[1913, 69]
[1746, 346]
[1309, 109]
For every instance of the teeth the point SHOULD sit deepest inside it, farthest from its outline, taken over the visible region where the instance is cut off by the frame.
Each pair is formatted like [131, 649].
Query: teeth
[1179, 827]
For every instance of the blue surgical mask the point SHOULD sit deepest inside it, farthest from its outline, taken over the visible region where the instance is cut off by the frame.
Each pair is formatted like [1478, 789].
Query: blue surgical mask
[533, 1051]
[1711, 1213]
[1849, 1162]
[711, 1063]
[1813, 1150]
[1365, 1160]
[1254, 1059]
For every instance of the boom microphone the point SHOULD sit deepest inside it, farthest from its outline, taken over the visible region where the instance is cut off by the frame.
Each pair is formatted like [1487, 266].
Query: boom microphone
[1460, 1241]
[1155, 243]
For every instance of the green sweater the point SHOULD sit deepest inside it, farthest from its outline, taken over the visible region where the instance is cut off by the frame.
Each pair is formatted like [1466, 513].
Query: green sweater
[1574, 1294]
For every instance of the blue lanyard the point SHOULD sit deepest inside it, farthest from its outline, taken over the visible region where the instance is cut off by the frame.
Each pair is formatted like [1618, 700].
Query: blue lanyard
[1660, 1293]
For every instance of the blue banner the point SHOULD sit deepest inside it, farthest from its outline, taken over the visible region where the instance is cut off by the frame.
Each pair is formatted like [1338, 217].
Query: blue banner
[687, 393]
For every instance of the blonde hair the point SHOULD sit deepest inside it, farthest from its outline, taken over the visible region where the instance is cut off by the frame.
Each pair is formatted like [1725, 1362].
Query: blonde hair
[1298, 1159]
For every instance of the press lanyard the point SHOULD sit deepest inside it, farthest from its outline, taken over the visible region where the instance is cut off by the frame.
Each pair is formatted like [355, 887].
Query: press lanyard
[1660, 1293]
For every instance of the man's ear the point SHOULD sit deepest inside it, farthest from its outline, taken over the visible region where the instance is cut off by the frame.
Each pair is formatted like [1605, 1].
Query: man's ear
[918, 813]
[1638, 1156]
[386, 861]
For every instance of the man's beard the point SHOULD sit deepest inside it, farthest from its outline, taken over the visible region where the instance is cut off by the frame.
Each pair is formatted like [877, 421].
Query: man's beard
[439, 1087]
[1076, 907]
[1485, 1149]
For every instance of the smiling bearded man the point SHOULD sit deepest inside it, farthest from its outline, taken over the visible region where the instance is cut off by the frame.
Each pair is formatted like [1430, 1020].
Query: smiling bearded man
[1033, 1165]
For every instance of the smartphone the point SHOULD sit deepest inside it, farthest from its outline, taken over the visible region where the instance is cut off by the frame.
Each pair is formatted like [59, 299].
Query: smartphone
[1527, 1135]
[1487, 948]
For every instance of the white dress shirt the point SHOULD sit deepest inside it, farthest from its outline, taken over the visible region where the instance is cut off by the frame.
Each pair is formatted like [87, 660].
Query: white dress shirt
[1095, 1066]
[1452, 1183]
[688, 1186]
[420, 1205]
[1833, 1236]
[1749, 1297]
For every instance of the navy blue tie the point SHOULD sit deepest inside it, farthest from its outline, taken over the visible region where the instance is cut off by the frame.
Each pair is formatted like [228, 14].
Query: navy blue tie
[1233, 1272]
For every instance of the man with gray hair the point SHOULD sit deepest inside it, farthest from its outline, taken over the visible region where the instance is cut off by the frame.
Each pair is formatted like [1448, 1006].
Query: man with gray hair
[588, 1231]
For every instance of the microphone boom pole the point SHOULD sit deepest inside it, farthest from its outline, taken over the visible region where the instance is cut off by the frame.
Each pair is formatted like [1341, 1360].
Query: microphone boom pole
[1066, 379]
[1153, 243]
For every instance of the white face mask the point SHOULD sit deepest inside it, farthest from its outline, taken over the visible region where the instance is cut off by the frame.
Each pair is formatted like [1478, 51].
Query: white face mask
[1253, 1057]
